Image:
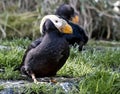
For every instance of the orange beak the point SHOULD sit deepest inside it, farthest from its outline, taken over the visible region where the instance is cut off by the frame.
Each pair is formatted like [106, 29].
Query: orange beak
[75, 19]
[67, 29]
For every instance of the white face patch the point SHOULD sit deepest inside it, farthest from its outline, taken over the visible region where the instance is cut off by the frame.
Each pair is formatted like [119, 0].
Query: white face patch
[58, 22]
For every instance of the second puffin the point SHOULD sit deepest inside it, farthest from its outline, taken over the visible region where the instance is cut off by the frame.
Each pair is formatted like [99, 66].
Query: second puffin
[51, 54]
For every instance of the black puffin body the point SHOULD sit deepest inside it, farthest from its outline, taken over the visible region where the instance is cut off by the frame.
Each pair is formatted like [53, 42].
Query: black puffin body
[67, 12]
[48, 56]
[79, 36]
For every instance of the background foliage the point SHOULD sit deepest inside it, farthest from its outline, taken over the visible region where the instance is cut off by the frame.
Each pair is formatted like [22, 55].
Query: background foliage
[21, 18]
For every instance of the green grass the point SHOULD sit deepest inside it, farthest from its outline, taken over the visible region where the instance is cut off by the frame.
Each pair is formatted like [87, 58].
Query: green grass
[100, 82]
[80, 64]
[1, 87]
[16, 42]
[43, 89]
[9, 74]
[97, 67]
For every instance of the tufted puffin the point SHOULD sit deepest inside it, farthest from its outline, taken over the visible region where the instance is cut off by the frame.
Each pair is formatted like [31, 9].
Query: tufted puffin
[66, 12]
[79, 36]
[51, 53]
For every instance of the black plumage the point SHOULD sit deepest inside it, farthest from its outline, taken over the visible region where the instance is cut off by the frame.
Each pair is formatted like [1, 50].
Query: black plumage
[66, 11]
[33, 45]
[48, 56]
[79, 36]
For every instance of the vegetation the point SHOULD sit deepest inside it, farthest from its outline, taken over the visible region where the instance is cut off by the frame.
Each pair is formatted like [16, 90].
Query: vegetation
[1, 87]
[97, 67]
[22, 18]
[42, 89]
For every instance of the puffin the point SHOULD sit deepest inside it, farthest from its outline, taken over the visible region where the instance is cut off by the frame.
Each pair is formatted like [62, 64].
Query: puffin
[51, 53]
[67, 12]
[78, 36]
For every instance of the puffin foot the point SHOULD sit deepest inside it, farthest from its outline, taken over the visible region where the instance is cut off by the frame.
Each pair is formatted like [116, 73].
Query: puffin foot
[34, 79]
[53, 80]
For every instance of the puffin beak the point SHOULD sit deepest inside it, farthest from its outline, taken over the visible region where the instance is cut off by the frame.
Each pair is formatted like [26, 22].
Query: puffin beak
[75, 19]
[67, 29]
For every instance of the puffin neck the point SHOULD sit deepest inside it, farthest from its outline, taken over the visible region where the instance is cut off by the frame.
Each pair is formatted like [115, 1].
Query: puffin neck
[54, 33]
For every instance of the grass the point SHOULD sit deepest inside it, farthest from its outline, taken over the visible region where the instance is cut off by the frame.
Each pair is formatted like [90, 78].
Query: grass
[100, 82]
[17, 24]
[43, 89]
[97, 67]
[9, 74]
[1, 87]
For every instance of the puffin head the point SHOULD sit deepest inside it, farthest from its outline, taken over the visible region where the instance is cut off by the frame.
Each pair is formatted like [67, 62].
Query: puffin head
[66, 11]
[54, 22]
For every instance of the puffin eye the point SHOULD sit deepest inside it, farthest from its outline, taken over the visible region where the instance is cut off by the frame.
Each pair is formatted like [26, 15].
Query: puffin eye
[56, 21]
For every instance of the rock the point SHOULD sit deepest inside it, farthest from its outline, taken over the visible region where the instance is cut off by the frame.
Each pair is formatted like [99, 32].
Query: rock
[16, 87]
[66, 86]
[4, 47]
[1, 70]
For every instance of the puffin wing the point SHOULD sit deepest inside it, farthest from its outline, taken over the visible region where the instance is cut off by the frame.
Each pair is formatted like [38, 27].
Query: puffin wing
[34, 44]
